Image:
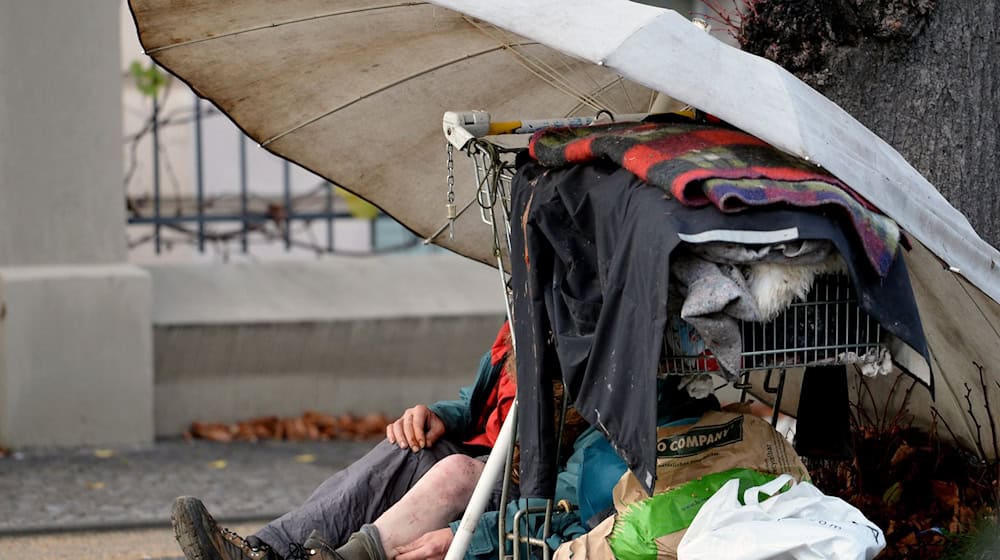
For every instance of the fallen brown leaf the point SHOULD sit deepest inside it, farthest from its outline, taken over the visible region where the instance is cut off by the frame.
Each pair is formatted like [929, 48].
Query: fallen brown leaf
[295, 429]
[311, 426]
[946, 493]
[347, 425]
[372, 425]
[320, 420]
[901, 454]
[245, 432]
[312, 430]
[211, 431]
[909, 540]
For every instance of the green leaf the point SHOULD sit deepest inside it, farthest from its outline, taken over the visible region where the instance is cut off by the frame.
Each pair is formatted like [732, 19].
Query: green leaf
[892, 496]
[148, 80]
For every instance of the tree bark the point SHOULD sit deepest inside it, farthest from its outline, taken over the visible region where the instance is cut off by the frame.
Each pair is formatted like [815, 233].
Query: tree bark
[923, 75]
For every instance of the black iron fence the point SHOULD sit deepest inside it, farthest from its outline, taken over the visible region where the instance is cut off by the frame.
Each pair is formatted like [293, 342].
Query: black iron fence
[240, 219]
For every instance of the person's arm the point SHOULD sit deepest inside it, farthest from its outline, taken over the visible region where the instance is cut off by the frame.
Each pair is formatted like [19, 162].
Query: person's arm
[430, 546]
[457, 414]
[420, 426]
[434, 545]
[416, 428]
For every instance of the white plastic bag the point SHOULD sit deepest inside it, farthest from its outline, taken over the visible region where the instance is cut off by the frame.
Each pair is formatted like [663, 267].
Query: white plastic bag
[801, 523]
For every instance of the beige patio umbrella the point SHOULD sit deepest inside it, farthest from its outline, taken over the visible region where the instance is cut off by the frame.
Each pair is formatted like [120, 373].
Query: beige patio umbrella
[355, 91]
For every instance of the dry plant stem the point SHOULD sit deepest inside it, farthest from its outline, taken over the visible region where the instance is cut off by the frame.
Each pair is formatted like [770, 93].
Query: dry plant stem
[993, 432]
[733, 26]
[897, 419]
[989, 410]
[937, 416]
[860, 413]
[975, 421]
[877, 424]
[888, 401]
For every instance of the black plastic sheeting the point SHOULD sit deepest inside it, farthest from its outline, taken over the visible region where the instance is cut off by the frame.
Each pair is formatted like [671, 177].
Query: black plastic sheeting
[590, 264]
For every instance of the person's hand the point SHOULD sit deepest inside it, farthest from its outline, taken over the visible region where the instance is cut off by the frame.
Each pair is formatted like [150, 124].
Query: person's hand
[429, 546]
[417, 428]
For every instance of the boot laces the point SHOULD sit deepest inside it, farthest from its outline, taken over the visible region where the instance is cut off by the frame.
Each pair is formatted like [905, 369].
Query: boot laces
[239, 545]
[297, 552]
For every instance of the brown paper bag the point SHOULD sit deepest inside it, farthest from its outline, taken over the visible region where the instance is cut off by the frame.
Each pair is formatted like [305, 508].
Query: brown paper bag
[691, 459]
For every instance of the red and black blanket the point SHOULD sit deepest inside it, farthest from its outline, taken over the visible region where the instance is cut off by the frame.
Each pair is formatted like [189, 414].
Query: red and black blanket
[712, 163]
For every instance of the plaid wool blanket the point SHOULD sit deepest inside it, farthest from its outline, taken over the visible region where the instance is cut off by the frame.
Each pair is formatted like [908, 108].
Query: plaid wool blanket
[703, 164]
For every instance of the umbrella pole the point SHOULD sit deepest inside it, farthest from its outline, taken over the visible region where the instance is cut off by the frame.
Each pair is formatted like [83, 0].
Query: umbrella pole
[484, 488]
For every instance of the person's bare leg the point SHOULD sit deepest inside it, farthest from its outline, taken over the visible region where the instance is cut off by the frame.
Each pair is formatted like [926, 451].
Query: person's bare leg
[437, 499]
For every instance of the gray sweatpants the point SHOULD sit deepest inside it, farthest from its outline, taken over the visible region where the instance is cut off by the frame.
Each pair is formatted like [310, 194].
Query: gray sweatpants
[356, 495]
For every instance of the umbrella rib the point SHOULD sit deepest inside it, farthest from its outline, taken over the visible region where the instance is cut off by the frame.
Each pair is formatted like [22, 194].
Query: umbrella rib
[284, 23]
[978, 308]
[628, 98]
[382, 89]
[556, 78]
[539, 68]
[550, 74]
[580, 105]
[430, 239]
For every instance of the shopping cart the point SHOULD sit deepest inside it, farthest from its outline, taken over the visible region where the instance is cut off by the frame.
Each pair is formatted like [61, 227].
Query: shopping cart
[826, 328]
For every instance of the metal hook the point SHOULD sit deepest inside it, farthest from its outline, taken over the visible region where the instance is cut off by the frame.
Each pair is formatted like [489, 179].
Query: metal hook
[604, 112]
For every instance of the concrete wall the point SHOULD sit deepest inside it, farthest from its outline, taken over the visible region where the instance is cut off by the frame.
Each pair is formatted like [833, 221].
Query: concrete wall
[233, 341]
[75, 337]
[60, 133]
[75, 344]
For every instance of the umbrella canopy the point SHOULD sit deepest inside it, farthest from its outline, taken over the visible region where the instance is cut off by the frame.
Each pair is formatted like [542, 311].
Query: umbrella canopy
[354, 90]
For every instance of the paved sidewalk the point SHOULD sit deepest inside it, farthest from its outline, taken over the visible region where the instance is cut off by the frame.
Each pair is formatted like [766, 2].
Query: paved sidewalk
[48, 491]
[133, 544]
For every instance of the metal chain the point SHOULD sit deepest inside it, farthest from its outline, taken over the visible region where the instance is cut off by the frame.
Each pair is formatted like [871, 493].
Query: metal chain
[451, 207]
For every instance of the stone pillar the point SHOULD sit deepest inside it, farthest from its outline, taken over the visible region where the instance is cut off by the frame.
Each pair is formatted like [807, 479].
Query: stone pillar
[75, 328]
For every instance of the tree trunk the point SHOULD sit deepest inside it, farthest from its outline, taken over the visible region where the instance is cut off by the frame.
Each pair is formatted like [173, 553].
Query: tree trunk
[923, 75]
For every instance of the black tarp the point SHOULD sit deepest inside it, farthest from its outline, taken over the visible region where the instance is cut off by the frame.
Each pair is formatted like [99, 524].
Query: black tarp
[590, 264]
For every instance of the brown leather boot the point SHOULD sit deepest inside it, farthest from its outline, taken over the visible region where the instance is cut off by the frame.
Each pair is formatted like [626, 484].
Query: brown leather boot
[365, 544]
[201, 538]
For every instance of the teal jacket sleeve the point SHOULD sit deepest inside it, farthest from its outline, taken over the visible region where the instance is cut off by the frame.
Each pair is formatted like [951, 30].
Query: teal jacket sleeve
[483, 545]
[457, 414]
